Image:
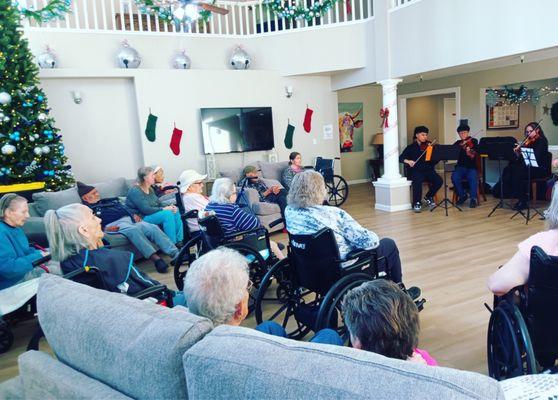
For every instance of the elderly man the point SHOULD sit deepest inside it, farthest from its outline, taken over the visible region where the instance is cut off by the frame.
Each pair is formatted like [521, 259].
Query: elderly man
[217, 287]
[273, 194]
[116, 218]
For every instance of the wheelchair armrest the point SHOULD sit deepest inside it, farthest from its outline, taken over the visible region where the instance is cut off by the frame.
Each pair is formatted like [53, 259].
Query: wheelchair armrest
[41, 260]
[361, 253]
[85, 271]
[276, 222]
[170, 187]
[154, 290]
[190, 214]
[255, 230]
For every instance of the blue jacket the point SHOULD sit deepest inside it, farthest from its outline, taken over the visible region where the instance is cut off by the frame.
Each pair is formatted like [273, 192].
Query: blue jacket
[16, 256]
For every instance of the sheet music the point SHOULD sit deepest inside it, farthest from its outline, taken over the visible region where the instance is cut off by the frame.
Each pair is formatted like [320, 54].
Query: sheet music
[529, 157]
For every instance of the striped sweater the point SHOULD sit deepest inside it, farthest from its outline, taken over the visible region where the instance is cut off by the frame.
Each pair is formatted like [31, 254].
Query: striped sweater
[232, 218]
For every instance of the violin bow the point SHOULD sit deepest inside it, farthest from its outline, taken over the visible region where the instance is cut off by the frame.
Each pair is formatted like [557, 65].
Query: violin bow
[536, 127]
[424, 152]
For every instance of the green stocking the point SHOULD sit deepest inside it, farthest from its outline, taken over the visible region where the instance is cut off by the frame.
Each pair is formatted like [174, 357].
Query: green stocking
[150, 127]
[289, 136]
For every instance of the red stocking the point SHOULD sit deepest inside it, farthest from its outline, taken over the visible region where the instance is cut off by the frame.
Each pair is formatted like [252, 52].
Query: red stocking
[175, 141]
[308, 120]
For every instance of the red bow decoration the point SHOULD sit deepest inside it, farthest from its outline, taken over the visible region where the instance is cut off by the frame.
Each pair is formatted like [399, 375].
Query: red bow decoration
[384, 114]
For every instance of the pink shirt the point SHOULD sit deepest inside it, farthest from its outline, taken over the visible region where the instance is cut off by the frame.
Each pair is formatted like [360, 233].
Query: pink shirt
[194, 201]
[547, 240]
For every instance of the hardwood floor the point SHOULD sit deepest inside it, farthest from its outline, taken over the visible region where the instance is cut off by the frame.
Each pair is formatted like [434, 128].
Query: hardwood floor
[449, 258]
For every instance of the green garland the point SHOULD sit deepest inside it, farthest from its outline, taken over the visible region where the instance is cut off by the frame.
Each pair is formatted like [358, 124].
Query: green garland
[165, 12]
[300, 10]
[53, 10]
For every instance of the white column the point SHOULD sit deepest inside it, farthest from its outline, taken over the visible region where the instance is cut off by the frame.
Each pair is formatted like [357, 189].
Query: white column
[392, 190]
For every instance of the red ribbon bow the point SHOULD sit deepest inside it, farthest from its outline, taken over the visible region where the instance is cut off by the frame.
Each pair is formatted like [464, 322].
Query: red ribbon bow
[384, 114]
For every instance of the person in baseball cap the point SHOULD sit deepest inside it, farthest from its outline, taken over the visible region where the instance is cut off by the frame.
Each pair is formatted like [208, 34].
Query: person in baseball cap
[191, 186]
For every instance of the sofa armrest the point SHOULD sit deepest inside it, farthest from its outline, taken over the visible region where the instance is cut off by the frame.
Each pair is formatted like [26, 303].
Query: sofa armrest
[252, 195]
[35, 231]
[272, 182]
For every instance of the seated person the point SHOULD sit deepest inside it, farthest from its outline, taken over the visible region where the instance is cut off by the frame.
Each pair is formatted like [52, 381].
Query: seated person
[274, 194]
[306, 215]
[420, 171]
[383, 319]
[16, 255]
[143, 201]
[231, 217]
[116, 218]
[295, 167]
[191, 187]
[217, 287]
[516, 271]
[166, 197]
[466, 167]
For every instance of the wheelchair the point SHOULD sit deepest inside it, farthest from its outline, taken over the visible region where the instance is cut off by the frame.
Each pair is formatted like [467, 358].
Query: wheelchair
[522, 328]
[336, 185]
[309, 285]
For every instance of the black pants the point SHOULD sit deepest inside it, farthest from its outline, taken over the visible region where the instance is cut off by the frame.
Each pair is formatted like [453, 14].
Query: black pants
[418, 177]
[280, 199]
[391, 264]
[516, 178]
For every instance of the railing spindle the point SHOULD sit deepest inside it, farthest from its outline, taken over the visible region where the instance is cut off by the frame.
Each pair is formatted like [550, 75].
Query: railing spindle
[85, 14]
[95, 19]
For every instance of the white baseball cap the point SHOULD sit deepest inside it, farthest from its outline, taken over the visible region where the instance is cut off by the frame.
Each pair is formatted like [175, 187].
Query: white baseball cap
[188, 177]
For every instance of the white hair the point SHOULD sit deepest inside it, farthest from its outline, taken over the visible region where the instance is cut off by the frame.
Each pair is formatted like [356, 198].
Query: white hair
[222, 190]
[62, 230]
[215, 284]
[307, 189]
[9, 201]
[551, 213]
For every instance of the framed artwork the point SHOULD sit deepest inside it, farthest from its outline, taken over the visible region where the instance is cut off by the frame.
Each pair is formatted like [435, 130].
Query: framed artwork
[351, 118]
[502, 116]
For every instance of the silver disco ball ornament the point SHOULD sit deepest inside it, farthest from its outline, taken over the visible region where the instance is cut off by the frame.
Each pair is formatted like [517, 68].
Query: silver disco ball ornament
[181, 61]
[47, 60]
[240, 59]
[8, 149]
[42, 117]
[5, 98]
[46, 149]
[128, 57]
[38, 150]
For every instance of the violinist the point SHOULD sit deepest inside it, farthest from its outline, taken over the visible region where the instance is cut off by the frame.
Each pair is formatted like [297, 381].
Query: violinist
[515, 173]
[466, 167]
[420, 170]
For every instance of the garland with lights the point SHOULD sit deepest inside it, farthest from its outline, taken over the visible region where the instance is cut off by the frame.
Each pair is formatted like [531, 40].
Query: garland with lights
[520, 95]
[167, 14]
[299, 11]
[54, 9]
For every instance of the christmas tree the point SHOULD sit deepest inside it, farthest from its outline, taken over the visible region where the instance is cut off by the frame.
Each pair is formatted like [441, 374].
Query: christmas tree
[31, 148]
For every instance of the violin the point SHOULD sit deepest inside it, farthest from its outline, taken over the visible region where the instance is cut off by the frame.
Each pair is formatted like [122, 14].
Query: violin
[426, 148]
[531, 138]
[424, 145]
[467, 145]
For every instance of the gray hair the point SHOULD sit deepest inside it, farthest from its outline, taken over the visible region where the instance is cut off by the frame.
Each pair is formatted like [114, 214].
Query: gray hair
[8, 201]
[551, 213]
[215, 284]
[222, 190]
[143, 172]
[62, 230]
[307, 189]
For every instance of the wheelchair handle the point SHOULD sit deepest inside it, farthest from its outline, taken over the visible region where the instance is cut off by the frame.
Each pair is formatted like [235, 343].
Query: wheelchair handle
[41, 260]
[170, 187]
[275, 223]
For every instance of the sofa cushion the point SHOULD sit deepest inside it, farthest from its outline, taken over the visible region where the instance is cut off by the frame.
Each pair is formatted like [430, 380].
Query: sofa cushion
[12, 389]
[273, 170]
[45, 201]
[263, 208]
[134, 346]
[233, 174]
[43, 377]
[113, 188]
[241, 363]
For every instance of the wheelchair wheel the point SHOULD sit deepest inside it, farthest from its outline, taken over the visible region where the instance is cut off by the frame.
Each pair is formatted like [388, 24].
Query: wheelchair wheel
[329, 315]
[279, 300]
[188, 254]
[6, 336]
[509, 349]
[337, 190]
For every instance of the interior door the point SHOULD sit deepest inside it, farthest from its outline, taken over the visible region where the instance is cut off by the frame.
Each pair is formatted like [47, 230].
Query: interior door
[450, 121]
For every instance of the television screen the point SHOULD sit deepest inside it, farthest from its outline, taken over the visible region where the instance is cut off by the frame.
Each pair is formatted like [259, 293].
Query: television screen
[230, 130]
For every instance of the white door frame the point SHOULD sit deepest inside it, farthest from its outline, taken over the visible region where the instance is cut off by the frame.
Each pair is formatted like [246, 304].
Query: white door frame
[402, 108]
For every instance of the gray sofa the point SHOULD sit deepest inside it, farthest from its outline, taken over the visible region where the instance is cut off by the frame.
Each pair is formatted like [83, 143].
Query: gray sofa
[271, 175]
[109, 346]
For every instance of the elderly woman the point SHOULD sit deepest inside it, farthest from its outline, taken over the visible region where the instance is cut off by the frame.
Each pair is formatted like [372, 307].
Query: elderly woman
[306, 215]
[231, 217]
[142, 200]
[295, 167]
[191, 188]
[217, 287]
[16, 255]
[516, 271]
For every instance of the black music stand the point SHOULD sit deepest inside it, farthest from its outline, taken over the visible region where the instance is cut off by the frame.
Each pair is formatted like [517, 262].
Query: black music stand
[530, 160]
[500, 151]
[445, 153]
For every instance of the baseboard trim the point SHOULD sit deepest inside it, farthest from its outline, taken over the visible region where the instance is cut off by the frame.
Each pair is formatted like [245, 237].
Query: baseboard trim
[358, 181]
[400, 207]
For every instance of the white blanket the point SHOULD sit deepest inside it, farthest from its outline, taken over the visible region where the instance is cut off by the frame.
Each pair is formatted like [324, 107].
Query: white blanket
[16, 296]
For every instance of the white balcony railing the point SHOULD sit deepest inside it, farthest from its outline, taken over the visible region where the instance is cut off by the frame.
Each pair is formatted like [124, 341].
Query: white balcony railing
[243, 19]
[400, 3]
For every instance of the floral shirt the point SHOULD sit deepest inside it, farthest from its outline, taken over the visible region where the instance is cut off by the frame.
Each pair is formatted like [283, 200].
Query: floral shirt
[349, 234]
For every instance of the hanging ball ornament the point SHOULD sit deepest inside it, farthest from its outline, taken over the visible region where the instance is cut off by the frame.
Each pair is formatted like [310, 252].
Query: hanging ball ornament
[47, 60]
[128, 57]
[38, 150]
[8, 149]
[46, 149]
[42, 117]
[31, 139]
[240, 59]
[5, 98]
[181, 61]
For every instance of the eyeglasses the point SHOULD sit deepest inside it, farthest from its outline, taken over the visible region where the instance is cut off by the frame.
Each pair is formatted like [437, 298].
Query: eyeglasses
[198, 183]
[250, 285]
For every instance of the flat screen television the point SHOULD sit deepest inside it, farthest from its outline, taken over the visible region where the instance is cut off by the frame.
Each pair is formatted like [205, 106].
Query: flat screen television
[233, 130]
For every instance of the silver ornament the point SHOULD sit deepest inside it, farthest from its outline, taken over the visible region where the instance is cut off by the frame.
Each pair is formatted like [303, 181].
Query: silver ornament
[2, 115]
[42, 117]
[36, 135]
[181, 61]
[240, 59]
[38, 151]
[8, 149]
[46, 149]
[31, 139]
[5, 98]
[128, 57]
[6, 118]
[47, 60]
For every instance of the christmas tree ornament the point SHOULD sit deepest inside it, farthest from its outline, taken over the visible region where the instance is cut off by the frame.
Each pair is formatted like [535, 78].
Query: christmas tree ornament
[239, 58]
[31, 139]
[127, 56]
[2, 115]
[8, 149]
[289, 136]
[38, 150]
[181, 61]
[5, 98]
[308, 119]
[47, 59]
[42, 117]
[46, 149]
[150, 127]
[175, 140]
[6, 119]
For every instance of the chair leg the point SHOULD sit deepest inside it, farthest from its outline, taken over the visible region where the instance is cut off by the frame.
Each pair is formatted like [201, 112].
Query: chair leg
[533, 193]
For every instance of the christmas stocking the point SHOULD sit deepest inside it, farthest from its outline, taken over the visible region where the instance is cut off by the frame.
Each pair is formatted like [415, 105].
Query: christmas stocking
[175, 140]
[150, 127]
[308, 120]
[289, 136]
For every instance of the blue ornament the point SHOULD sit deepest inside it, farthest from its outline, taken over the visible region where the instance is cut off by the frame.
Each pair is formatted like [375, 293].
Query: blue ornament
[14, 136]
[40, 98]
[28, 104]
